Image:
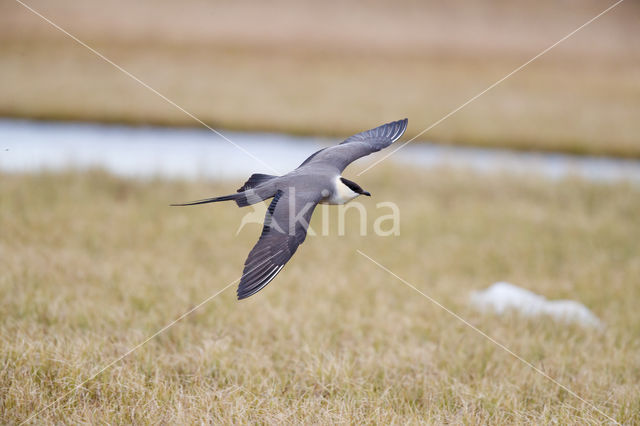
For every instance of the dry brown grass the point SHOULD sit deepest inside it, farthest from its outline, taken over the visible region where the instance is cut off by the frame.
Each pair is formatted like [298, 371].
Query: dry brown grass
[91, 265]
[333, 68]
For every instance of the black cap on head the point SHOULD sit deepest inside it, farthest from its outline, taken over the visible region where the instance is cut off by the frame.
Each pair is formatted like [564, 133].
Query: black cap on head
[354, 187]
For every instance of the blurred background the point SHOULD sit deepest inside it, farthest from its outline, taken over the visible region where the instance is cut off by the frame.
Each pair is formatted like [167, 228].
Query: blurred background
[334, 68]
[534, 183]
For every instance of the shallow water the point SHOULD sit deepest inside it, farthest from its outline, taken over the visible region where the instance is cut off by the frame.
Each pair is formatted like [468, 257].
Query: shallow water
[27, 146]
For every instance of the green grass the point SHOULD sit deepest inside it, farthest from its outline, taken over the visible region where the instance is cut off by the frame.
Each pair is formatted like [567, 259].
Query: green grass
[91, 265]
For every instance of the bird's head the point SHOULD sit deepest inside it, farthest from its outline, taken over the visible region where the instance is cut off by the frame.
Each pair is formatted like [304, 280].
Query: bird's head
[355, 187]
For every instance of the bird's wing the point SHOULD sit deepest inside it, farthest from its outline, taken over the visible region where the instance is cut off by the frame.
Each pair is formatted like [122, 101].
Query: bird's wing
[359, 145]
[285, 228]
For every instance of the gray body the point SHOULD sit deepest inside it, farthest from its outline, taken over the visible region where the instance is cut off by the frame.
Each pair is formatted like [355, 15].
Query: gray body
[317, 180]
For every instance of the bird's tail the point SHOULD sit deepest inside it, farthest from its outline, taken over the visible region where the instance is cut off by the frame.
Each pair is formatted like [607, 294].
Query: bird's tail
[242, 199]
[253, 191]
[210, 200]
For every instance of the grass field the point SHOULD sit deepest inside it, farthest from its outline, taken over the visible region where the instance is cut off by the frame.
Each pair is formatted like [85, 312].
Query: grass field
[335, 68]
[91, 265]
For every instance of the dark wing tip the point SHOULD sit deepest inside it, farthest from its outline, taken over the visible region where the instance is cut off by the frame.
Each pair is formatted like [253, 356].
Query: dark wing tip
[390, 132]
[396, 129]
[254, 284]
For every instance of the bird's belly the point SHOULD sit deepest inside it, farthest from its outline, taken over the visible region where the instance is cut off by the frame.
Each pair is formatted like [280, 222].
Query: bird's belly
[333, 202]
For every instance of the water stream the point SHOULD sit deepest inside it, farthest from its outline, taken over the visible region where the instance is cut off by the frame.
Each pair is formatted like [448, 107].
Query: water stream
[191, 153]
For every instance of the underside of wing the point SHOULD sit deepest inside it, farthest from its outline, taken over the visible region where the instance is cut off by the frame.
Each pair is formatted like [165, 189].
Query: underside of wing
[279, 240]
[359, 145]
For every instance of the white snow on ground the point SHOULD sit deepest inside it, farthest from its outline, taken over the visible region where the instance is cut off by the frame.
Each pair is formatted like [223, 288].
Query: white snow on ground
[504, 297]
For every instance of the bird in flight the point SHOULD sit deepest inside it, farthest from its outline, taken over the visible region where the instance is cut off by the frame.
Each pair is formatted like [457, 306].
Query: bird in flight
[295, 195]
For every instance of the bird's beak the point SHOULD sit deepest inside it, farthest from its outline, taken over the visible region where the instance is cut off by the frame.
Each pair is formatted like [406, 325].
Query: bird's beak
[366, 193]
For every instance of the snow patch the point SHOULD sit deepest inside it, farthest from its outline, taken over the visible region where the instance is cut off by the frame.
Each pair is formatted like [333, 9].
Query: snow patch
[503, 297]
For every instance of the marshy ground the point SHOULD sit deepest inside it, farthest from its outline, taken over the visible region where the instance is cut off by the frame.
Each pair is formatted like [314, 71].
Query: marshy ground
[92, 265]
